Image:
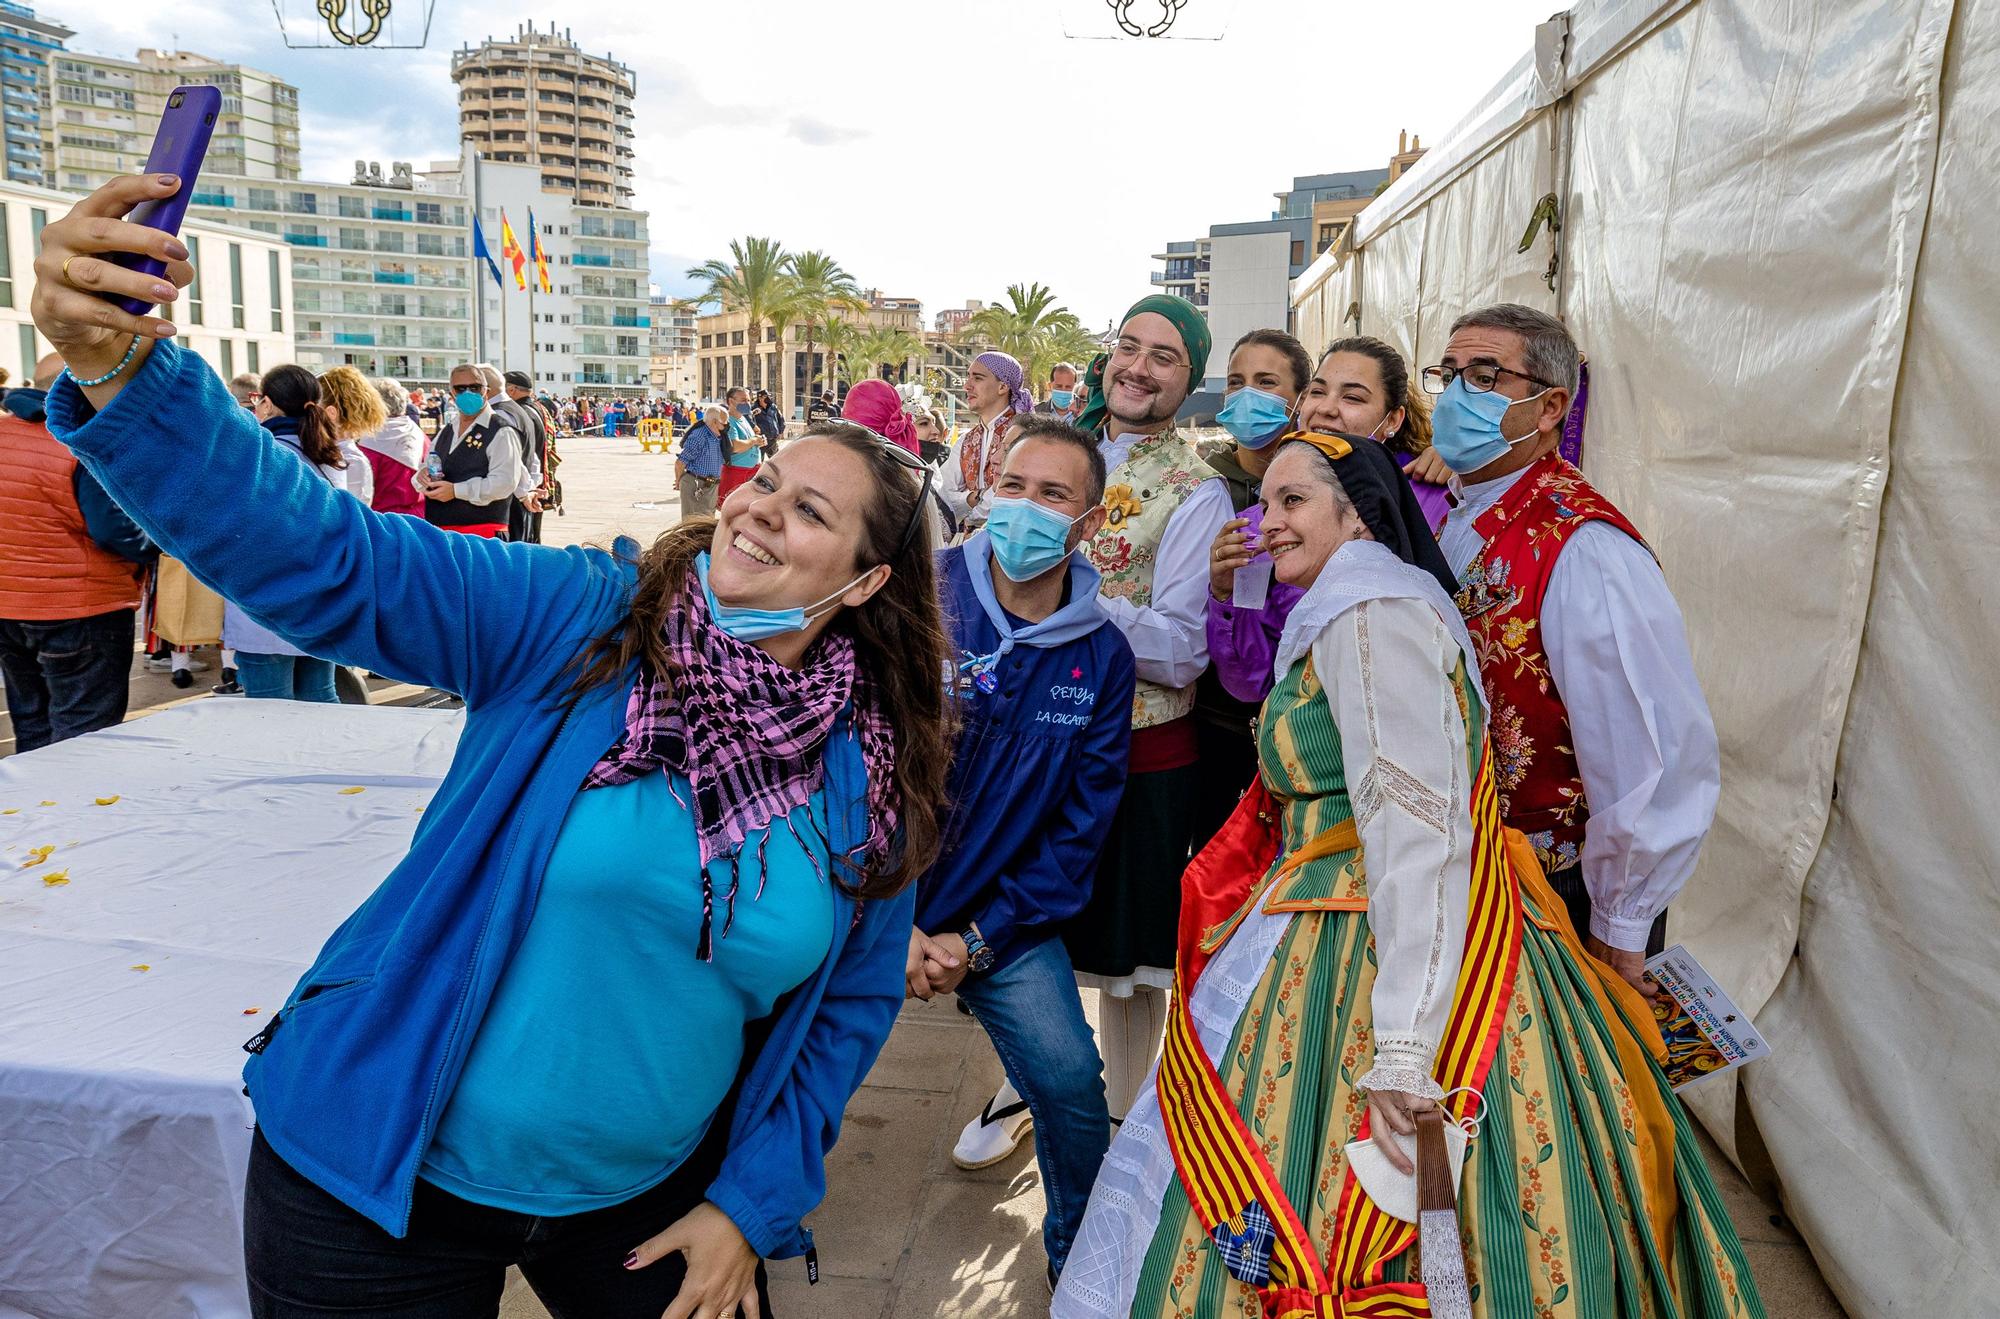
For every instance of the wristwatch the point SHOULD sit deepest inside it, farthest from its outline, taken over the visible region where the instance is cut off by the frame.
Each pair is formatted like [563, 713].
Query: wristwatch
[978, 957]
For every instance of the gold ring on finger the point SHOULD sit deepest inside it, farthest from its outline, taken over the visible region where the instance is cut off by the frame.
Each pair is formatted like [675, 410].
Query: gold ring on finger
[65, 265]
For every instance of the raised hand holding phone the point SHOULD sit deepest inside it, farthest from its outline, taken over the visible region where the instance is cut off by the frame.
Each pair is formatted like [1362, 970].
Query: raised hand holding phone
[179, 146]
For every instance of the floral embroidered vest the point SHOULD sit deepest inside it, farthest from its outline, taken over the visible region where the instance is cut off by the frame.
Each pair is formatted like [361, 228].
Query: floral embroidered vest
[1142, 494]
[979, 476]
[1500, 594]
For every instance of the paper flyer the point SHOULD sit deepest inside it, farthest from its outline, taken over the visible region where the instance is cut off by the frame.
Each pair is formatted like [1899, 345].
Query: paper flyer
[1705, 1033]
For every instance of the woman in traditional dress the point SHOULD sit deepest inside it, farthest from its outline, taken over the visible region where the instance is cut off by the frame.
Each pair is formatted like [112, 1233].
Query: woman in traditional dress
[1321, 1005]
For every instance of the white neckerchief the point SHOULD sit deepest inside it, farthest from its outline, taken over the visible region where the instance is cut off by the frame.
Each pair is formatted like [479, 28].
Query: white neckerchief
[1357, 572]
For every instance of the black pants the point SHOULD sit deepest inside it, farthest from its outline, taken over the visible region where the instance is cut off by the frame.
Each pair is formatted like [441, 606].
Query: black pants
[66, 677]
[309, 1255]
[523, 525]
[1568, 885]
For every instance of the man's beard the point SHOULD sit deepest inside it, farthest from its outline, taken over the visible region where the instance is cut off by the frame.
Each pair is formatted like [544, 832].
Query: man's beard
[1153, 411]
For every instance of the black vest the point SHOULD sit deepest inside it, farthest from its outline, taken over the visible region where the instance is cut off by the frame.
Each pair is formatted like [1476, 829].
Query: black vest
[465, 460]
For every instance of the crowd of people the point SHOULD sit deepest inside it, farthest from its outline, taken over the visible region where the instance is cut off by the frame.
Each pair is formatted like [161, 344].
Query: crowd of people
[1353, 762]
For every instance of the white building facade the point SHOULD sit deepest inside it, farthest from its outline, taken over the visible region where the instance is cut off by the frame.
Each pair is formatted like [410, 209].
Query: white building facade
[238, 315]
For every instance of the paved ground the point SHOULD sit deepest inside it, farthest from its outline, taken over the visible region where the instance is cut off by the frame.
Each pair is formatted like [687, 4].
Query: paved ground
[904, 1234]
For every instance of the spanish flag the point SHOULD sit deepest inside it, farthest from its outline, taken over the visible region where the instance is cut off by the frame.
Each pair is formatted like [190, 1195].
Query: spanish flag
[510, 252]
[538, 253]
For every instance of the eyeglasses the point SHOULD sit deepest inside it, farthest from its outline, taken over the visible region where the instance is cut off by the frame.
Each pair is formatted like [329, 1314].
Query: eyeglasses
[909, 462]
[1161, 359]
[1479, 378]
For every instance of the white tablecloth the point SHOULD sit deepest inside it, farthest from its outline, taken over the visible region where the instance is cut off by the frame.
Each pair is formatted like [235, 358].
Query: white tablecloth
[193, 903]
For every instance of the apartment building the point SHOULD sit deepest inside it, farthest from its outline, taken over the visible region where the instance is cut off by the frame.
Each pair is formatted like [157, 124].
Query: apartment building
[107, 109]
[539, 100]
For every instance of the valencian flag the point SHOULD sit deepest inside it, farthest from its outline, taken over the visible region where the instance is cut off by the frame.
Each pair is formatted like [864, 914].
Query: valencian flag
[485, 253]
[537, 253]
[511, 253]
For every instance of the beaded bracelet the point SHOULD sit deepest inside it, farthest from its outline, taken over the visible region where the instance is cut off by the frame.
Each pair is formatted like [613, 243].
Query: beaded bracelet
[112, 374]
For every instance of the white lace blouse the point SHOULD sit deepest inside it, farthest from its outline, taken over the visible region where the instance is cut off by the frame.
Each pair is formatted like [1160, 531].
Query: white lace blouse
[1387, 668]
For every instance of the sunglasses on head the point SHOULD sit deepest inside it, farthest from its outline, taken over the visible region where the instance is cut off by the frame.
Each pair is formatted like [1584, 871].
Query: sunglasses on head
[909, 462]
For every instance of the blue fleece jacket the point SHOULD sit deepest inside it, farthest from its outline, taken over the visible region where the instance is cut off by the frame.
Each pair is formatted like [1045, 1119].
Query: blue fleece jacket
[1041, 757]
[355, 1069]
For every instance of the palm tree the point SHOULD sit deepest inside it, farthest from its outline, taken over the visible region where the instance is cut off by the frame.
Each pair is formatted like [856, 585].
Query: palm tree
[1030, 326]
[755, 281]
[819, 286]
[878, 348]
[842, 339]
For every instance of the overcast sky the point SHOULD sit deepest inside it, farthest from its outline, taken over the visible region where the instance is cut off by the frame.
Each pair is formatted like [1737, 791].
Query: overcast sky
[940, 149]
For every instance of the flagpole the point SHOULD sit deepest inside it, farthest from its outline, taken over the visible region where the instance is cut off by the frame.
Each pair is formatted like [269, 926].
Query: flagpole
[478, 285]
[534, 278]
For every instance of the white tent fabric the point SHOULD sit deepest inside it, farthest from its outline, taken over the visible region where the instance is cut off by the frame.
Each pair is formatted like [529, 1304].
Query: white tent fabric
[191, 905]
[1776, 251]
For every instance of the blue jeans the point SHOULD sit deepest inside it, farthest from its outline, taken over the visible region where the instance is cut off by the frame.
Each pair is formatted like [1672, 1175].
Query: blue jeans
[286, 677]
[66, 676]
[1031, 1010]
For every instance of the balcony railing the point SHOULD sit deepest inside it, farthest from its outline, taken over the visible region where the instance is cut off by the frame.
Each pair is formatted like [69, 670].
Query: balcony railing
[389, 277]
[359, 340]
[589, 259]
[392, 213]
[306, 240]
[213, 199]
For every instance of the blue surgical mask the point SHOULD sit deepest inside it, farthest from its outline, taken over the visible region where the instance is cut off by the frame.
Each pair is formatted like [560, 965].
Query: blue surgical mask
[1060, 398]
[754, 625]
[1255, 417]
[470, 401]
[1028, 538]
[1465, 427]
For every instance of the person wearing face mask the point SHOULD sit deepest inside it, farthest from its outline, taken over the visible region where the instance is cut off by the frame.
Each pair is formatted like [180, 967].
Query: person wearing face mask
[475, 463]
[603, 1020]
[1061, 394]
[1267, 371]
[742, 445]
[1607, 757]
[1043, 684]
[1323, 1008]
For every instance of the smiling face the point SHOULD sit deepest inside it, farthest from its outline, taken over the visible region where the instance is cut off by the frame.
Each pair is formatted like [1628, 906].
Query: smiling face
[1347, 395]
[1148, 376]
[984, 392]
[1305, 519]
[794, 533]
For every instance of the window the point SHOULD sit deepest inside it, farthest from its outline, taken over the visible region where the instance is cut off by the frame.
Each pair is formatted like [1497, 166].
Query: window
[304, 203]
[277, 295]
[38, 220]
[250, 350]
[263, 199]
[352, 208]
[1298, 252]
[6, 262]
[228, 359]
[235, 286]
[28, 354]
[194, 289]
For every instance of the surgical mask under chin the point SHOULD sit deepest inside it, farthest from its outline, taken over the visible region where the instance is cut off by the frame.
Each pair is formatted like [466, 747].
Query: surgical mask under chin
[754, 625]
[1465, 427]
[1028, 538]
[1256, 417]
[470, 402]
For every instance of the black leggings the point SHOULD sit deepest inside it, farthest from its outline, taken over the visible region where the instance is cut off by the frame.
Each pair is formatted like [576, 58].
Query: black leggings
[309, 1255]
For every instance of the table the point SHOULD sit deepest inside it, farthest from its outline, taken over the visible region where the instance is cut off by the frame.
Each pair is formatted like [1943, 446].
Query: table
[156, 937]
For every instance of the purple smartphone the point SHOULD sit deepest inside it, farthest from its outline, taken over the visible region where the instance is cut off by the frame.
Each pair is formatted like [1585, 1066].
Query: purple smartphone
[178, 149]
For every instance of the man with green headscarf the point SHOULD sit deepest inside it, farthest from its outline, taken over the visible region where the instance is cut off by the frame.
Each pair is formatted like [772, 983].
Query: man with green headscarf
[1166, 507]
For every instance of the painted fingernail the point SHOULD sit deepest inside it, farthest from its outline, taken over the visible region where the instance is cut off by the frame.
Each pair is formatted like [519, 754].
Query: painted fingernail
[165, 329]
[168, 180]
[632, 1260]
[177, 249]
[163, 292]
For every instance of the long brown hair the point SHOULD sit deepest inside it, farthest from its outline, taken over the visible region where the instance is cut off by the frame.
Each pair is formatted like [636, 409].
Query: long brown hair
[295, 391]
[1415, 433]
[899, 642]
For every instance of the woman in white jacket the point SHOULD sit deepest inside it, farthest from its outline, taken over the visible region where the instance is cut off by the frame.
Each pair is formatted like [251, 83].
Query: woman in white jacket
[295, 408]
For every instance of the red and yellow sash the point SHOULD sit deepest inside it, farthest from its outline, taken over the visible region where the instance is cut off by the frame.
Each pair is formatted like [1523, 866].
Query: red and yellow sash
[1221, 1164]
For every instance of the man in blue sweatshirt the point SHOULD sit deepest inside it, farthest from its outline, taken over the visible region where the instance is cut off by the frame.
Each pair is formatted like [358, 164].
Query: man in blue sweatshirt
[1044, 688]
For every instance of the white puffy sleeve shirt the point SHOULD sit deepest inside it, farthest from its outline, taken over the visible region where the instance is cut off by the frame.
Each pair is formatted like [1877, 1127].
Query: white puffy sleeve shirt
[1169, 637]
[1386, 666]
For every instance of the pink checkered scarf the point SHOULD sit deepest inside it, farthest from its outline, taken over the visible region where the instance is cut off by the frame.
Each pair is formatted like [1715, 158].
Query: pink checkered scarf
[749, 735]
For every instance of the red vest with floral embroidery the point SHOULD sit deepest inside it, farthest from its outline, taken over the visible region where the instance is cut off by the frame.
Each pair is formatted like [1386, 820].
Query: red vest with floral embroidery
[1500, 594]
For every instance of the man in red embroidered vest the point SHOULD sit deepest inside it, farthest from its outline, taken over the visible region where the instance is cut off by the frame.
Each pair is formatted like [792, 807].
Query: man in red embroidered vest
[70, 562]
[1604, 753]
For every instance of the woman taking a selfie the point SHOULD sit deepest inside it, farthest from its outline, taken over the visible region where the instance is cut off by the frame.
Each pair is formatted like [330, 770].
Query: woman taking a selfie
[603, 1019]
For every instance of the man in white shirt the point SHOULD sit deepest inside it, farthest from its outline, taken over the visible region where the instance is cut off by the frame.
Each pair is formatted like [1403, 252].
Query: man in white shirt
[479, 454]
[1604, 752]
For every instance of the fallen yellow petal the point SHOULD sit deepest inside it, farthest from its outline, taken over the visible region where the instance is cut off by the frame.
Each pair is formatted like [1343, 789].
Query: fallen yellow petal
[37, 855]
[349, 792]
[11, 810]
[251, 1012]
[142, 967]
[56, 878]
[112, 800]
[48, 803]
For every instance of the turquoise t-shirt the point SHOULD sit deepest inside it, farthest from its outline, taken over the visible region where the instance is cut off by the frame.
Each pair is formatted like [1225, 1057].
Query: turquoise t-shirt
[740, 430]
[608, 1046]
